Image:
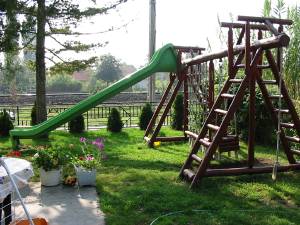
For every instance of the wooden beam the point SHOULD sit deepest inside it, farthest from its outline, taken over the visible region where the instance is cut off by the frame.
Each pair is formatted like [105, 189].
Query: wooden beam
[247, 170]
[188, 48]
[263, 19]
[169, 139]
[281, 40]
[241, 25]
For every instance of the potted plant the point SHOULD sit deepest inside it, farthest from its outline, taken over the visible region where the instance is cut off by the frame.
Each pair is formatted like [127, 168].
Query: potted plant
[49, 161]
[87, 161]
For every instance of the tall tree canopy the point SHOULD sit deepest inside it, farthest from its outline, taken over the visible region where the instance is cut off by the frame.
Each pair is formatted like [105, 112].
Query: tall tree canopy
[108, 69]
[36, 20]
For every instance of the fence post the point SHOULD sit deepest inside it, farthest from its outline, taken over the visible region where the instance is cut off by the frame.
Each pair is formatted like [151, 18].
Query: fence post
[18, 115]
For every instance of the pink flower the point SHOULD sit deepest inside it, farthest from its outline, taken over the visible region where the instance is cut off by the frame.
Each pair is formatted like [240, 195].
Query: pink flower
[99, 143]
[89, 158]
[82, 139]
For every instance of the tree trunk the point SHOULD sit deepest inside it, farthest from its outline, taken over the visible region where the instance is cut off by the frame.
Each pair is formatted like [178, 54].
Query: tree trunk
[41, 112]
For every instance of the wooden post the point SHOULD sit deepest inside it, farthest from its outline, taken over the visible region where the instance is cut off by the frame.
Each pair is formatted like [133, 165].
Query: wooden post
[211, 88]
[251, 73]
[185, 103]
[230, 52]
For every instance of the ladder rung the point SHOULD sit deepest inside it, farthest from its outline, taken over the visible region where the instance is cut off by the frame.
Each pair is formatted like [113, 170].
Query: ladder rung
[213, 127]
[295, 151]
[221, 111]
[287, 125]
[240, 66]
[282, 110]
[269, 82]
[191, 134]
[205, 142]
[235, 81]
[266, 66]
[189, 173]
[275, 96]
[225, 95]
[197, 158]
[293, 139]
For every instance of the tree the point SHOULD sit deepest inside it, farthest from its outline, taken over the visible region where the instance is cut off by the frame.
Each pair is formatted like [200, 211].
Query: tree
[63, 83]
[52, 19]
[177, 116]
[145, 116]
[114, 122]
[108, 69]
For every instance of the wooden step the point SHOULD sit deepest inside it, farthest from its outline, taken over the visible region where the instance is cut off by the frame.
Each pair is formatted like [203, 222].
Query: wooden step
[293, 139]
[269, 82]
[226, 95]
[236, 81]
[191, 134]
[213, 127]
[189, 173]
[264, 66]
[230, 138]
[240, 66]
[288, 125]
[275, 96]
[282, 110]
[205, 142]
[221, 111]
[296, 152]
[197, 158]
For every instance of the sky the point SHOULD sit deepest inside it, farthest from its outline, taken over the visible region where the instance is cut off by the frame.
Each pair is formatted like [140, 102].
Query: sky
[181, 22]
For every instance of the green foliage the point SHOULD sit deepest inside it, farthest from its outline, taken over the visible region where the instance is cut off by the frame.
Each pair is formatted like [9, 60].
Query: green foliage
[264, 126]
[145, 116]
[63, 83]
[114, 123]
[292, 59]
[76, 126]
[33, 115]
[108, 69]
[50, 158]
[5, 124]
[177, 115]
[267, 8]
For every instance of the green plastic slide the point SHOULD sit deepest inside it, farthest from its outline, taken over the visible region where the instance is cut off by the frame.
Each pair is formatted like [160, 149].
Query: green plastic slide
[163, 60]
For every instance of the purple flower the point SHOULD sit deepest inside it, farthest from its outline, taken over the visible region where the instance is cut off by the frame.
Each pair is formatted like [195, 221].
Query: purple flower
[99, 143]
[82, 139]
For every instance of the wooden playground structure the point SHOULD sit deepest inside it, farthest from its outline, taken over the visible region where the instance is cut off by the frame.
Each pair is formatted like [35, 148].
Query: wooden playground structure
[258, 48]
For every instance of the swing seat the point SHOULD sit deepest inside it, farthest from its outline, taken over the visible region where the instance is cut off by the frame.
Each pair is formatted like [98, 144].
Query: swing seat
[229, 143]
[36, 221]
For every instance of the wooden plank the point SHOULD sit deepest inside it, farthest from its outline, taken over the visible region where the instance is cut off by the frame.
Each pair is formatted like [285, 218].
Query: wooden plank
[263, 19]
[170, 139]
[242, 25]
[247, 170]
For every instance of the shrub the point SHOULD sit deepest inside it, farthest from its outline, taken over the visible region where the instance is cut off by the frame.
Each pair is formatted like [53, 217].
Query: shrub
[177, 116]
[5, 124]
[264, 127]
[76, 126]
[114, 123]
[63, 83]
[33, 115]
[145, 116]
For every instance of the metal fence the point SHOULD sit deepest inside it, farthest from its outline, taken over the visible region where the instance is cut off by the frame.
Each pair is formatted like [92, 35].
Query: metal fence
[95, 118]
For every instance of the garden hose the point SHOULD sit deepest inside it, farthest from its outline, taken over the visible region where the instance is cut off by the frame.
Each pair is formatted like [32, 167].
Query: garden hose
[210, 210]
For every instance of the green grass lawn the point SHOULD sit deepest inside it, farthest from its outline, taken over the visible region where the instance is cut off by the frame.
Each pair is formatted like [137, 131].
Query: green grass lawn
[137, 184]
